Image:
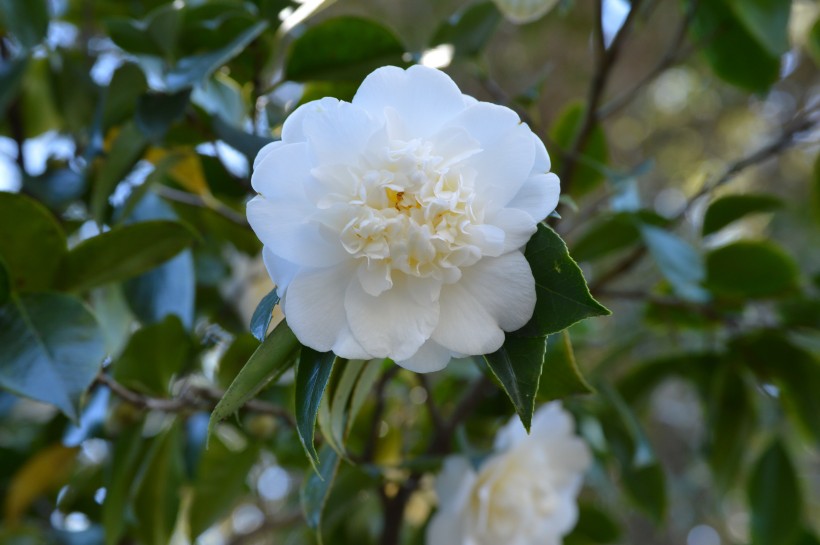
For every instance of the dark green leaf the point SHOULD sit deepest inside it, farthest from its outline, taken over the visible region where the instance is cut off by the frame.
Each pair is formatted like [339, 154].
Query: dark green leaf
[129, 449]
[751, 269]
[127, 85]
[678, 261]
[154, 354]
[126, 150]
[244, 142]
[469, 30]
[315, 90]
[646, 486]
[613, 233]
[51, 348]
[274, 356]
[156, 112]
[234, 358]
[517, 365]
[594, 526]
[11, 76]
[312, 375]
[342, 48]
[813, 44]
[316, 489]
[767, 21]
[562, 294]
[594, 154]
[560, 376]
[32, 256]
[123, 252]
[731, 208]
[5, 283]
[220, 482]
[735, 54]
[260, 321]
[27, 21]
[800, 312]
[775, 498]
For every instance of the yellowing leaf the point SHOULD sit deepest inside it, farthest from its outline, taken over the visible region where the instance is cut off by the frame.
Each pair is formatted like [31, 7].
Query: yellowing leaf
[45, 472]
[186, 169]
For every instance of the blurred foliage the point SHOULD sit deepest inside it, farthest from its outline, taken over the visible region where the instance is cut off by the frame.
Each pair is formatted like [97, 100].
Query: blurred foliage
[136, 406]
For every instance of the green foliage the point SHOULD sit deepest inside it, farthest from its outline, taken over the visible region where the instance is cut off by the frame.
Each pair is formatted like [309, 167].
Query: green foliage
[312, 375]
[731, 208]
[680, 263]
[469, 31]
[595, 152]
[517, 365]
[751, 269]
[262, 316]
[775, 498]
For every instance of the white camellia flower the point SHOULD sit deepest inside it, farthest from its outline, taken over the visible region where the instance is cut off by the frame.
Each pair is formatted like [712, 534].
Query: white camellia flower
[393, 226]
[525, 494]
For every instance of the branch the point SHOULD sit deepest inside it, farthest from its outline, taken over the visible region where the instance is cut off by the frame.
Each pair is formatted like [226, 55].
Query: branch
[209, 203]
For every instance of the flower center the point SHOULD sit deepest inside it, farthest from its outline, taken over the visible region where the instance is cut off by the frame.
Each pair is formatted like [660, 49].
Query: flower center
[414, 211]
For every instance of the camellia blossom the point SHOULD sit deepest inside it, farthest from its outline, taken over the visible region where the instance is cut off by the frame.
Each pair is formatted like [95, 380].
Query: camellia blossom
[524, 494]
[393, 226]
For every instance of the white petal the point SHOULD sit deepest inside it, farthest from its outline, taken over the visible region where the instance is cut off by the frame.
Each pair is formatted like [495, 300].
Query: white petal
[429, 358]
[538, 196]
[338, 134]
[396, 323]
[512, 434]
[281, 271]
[346, 346]
[464, 325]
[265, 151]
[504, 287]
[424, 97]
[454, 483]
[314, 306]
[290, 234]
[446, 528]
[517, 225]
[283, 173]
[374, 276]
[542, 158]
[292, 130]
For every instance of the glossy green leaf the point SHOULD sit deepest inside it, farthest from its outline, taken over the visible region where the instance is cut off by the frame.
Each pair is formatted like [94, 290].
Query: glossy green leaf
[561, 376]
[221, 481]
[736, 55]
[275, 355]
[751, 269]
[364, 387]
[156, 112]
[156, 497]
[518, 365]
[126, 150]
[122, 253]
[32, 255]
[51, 348]
[127, 85]
[562, 294]
[262, 316]
[27, 21]
[234, 358]
[775, 498]
[613, 233]
[312, 375]
[468, 31]
[731, 208]
[342, 48]
[316, 489]
[589, 173]
[190, 71]
[767, 21]
[152, 357]
[678, 261]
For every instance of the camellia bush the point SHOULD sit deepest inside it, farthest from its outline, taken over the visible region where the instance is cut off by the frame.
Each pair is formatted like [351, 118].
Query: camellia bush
[441, 272]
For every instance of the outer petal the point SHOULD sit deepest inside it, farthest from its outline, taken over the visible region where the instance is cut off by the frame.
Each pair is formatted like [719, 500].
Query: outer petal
[281, 271]
[265, 151]
[339, 133]
[542, 158]
[291, 235]
[446, 528]
[282, 172]
[346, 346]
[396, 323]
[517, 225]
[292, 130]
[538, 196]
[424, 97]
[504, 287]
[430, 357]
[314, 306]
[465, 326]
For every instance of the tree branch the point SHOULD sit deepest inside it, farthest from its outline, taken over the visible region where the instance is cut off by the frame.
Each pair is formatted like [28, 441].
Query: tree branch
[211, 203]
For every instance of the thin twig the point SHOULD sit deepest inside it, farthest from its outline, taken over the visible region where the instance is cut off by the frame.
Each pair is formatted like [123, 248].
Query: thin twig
[211, 203]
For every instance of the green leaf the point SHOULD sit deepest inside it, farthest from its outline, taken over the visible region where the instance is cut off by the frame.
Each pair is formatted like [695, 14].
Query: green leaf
[156, 112]
[27, 21]
[736, 55]
[731, 208]
[767, 21]
[122, 253]
[190, 71]
[126, 150]
[775, 498]
[336, 417]
[646, 486]
[678, 261]
[561, 376]
[594, 526]
[129, 450]
[32, 256]
[244, 142]
[235, 357]
[342, 48]
[562, 295]
[157, 488]
[51, 348]
[274, 356]
[11, 77]
[121, 96]
[469, 30]
[751, 269]
[813, 44]
[815, 175]
[589, 172]
[153, 356]
[312, 375]
[220, 483]
[262, 316]
[5, 283]
[642, 379]
[613, 233]
[364, 387]
[517, 365]
[316, 489]
[800, 312]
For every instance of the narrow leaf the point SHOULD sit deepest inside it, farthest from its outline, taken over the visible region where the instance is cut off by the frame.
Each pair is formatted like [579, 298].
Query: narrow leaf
[260, 321]
[312, 375]
[775, 498]
[316, 489]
